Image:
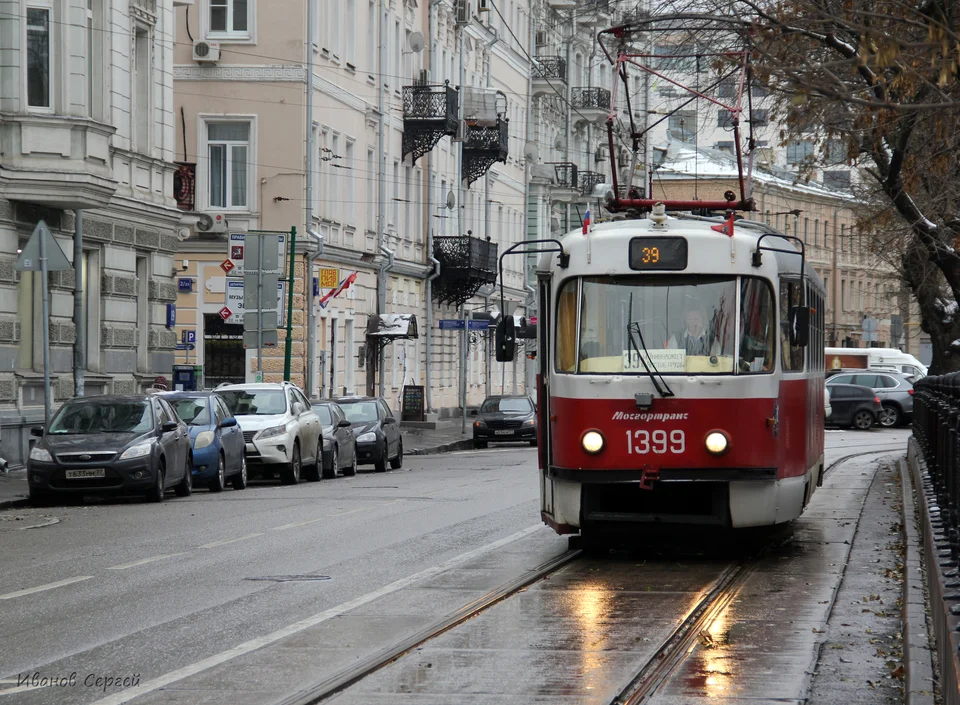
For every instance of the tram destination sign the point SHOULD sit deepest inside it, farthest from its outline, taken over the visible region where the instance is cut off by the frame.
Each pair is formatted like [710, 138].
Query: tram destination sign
[658, 253]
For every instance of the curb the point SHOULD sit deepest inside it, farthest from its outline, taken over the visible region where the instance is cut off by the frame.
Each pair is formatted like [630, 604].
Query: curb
[917, 656]
[14, 503]
[466, 444]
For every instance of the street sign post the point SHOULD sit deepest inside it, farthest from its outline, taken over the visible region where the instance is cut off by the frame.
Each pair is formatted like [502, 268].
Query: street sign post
[243, 253]
[452, 324]
[43, 254]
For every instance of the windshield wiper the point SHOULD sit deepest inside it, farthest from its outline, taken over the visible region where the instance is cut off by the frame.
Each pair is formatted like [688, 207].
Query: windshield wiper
[653, 373]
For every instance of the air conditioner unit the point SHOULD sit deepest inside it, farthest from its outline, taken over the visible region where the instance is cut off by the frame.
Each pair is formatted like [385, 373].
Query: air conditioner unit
[541, 38]
[206, 52]
[211, 223]
[463, 12]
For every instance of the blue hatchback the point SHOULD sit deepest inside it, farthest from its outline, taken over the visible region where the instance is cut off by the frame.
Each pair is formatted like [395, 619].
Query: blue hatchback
[215, 437]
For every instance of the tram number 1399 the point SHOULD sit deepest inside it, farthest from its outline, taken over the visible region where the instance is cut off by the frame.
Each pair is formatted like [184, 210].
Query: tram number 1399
[643, 441]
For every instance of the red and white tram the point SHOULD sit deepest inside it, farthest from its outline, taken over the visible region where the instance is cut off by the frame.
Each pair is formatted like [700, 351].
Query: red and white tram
[681, 376]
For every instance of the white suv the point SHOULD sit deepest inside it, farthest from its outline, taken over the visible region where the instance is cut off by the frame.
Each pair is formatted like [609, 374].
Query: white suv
[281, 431]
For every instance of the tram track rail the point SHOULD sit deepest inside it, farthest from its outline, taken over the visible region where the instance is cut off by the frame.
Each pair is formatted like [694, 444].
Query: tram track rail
[338, 682]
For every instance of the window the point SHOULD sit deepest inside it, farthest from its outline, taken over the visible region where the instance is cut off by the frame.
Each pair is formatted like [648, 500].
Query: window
[792, 355]
[799, 151]
[724, 147]
[724, 118]
[229, 17]
[350, 29]
[371, 179]
[759, 118]
[143, 315]
[333, 204]
[95, 59]
[371, 38]
[835, 152]
[836, 180]
[683, 124]
[38, 58]
[228, 150]
[141, 115]
[349, 198]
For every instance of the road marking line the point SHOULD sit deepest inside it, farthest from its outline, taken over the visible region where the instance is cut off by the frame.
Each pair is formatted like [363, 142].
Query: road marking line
[225, 542]
[258, 643]
[48, 586]
[313, 521]
[142, 561]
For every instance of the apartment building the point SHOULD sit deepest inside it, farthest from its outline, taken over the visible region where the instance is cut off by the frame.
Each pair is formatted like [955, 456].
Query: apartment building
[86, 145]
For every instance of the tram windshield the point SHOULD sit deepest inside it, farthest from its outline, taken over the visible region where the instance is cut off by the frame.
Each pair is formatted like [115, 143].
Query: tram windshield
[677, 324]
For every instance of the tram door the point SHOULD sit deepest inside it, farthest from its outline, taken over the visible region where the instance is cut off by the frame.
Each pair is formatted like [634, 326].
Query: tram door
[544, 355]
[223, 353]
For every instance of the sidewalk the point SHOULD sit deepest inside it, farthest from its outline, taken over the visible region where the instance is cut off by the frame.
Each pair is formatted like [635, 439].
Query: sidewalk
[416, 441]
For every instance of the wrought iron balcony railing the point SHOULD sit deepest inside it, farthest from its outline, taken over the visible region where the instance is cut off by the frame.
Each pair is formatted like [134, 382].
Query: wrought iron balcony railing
[482, 146]
[550, 67]
[566, 174]
[590, 98]
[185, 185]
[466, 264]
[429, 113]
[587, 180]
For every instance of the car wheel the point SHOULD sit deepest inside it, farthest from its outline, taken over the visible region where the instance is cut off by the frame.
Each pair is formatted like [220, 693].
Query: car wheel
[184, 488]
[397, 463]
[380, 465]
[240, 479]
[533, 444]
[331, 472]
[157, 491]
[217, 483]
[863, 420]
[889, 417]
[316, 472]
[291, 475]
[352, 470]
[479, 444]
[41, 498]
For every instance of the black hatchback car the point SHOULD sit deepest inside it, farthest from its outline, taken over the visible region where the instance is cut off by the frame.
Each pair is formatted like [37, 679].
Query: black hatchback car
[377, 431]
[853, 405]
[111, 444]
[505, 418]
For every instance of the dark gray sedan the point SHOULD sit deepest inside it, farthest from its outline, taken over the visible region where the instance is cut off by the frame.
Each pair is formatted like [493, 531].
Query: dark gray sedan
[505, 418]
[894, 389]
[339, 441]
[111, 444]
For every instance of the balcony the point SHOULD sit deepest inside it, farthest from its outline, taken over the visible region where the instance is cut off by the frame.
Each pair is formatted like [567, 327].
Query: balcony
[482, 146]
[56, 161]
[429, 113]
[562, 4]
[590, 105]
[185, 185]
[587, 180]
[567, 186]
[592, 11]
[466, 264]
[549, 73]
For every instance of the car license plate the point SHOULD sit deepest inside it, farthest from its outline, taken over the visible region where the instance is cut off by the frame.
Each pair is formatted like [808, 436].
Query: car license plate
[83, 474]
[507, 432]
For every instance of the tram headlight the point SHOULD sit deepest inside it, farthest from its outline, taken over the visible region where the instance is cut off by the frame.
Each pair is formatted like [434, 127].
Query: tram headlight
[717, 443]
[592, 442]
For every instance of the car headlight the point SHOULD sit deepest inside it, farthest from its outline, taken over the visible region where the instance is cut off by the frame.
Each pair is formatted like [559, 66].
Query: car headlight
[529, 422]
[271, 432]
[203, 439]
[717, 443]
[479, 423]
[41, 454]
[592, 442]
[367, 437]
[137, 451]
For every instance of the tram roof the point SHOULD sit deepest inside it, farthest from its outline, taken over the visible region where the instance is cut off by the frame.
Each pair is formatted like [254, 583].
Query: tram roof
[697, 229]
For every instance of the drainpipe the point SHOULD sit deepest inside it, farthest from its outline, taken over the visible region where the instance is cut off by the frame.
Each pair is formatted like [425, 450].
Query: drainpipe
[311, 316]
[381, 182]
[308, 203]
[79, 359]
[429, 294]
[385, 266]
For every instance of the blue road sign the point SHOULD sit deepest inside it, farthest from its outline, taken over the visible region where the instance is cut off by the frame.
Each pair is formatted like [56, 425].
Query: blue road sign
[452, 324]
[171, 315]
[478, 325]
[186, 346]
[185, 285]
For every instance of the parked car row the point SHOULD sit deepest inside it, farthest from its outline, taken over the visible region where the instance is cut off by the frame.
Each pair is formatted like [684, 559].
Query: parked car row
[862, 398]
[148, 444]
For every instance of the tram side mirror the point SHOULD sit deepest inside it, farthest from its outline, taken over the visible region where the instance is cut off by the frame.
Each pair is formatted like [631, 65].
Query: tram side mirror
[800, 326]
[506, 339]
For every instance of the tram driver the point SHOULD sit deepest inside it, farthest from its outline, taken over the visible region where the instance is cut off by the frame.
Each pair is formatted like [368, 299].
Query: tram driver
[695, 339]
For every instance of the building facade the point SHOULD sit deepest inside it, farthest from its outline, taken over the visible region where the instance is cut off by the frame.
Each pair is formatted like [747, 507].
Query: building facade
[86, 145]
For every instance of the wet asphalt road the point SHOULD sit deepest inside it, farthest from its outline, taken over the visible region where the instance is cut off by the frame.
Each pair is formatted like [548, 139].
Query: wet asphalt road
[163, 593]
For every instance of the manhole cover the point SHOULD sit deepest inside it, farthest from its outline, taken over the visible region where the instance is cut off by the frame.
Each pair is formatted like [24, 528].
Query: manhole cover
[290, 578]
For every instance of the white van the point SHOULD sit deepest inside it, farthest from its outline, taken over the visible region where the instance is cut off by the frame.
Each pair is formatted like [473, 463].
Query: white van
[875, 358]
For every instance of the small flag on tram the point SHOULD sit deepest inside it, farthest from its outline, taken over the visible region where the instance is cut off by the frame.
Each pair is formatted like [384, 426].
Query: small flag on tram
[334, 293]
[586, 221]
[726, 228]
